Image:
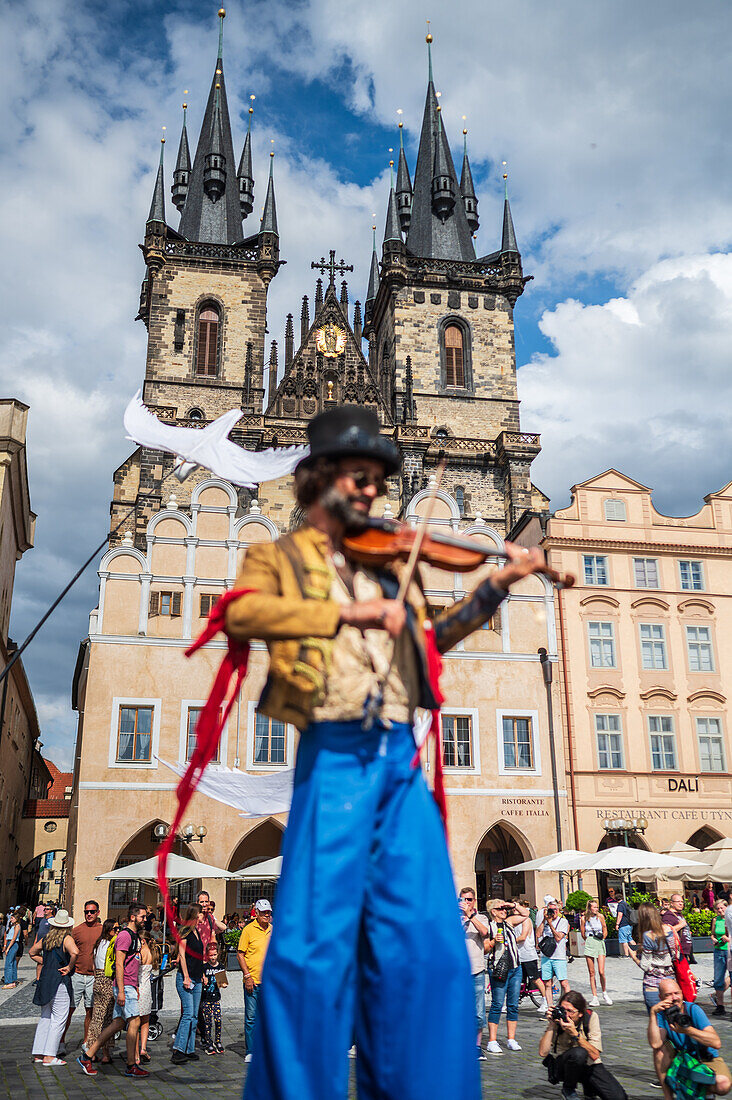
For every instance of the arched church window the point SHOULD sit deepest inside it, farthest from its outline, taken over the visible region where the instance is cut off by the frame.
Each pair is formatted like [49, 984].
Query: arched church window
[207, 342]
[454, 358]
[195, 414]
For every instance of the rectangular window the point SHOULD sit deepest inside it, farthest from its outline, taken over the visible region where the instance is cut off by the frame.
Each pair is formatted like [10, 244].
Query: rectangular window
[134, 738]
[124, 891]
[602, 645]
[270, 740]
[653, 646]
[595, 569]
[711, 745]
[609, 741]
[165, 603]
[692, 576]
[518, 743]
[646, 572]
[663, 743]
[208, 599]
[457, 740]
[193, 713]
[699, 646]
[615, 511]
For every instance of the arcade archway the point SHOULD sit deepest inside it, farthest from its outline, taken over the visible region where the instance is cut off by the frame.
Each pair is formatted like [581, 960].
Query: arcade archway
[263, 842]
[501, 847]
[703, 837]
[143, 845]
[612, 840]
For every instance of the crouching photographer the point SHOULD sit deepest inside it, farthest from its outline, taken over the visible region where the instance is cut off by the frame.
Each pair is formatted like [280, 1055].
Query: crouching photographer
[685, 1047]
[571, 1049]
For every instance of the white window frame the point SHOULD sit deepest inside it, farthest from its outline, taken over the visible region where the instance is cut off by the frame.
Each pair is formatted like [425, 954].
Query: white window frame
[719, 735]
[653, 642]
[185, 705]
[611, 640]
[608, 733]
[289, 744]
[689, 643]
[691, 562]
[645, 585]
[663, 733]
[455, 769]
[614, 503]
[134, 701]
[594, 559]
[519, 712]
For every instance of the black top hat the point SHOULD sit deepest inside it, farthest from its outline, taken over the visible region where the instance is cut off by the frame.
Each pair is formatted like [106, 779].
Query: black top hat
[350, 430]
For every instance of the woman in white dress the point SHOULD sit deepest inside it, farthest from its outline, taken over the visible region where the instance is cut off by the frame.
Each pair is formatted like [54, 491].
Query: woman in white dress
[145, 995]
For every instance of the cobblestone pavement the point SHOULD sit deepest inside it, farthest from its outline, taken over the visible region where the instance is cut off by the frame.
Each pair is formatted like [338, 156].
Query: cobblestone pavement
[513, 1075]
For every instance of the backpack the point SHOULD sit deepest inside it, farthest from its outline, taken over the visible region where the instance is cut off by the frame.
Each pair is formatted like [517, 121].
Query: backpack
[109, 959]
[109, 962]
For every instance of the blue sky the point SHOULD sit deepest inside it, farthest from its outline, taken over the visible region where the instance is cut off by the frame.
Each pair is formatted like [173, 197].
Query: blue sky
[612, 118]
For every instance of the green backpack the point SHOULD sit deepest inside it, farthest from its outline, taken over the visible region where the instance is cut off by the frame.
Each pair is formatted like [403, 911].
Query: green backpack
[688, 1077]
[109, 959]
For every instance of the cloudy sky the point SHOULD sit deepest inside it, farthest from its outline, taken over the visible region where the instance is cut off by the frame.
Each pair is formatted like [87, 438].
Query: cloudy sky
[613, 119]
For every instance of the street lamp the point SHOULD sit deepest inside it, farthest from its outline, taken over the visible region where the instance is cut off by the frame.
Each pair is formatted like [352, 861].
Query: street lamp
[625, 827]
[546, 668]
[194, 832]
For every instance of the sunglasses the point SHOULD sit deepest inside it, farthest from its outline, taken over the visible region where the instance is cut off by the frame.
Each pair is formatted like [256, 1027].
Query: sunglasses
[90, 912]
[361, 480]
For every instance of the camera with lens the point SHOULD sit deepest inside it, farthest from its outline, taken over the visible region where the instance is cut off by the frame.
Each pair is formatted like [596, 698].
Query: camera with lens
[559, 1013]
[677, 1017]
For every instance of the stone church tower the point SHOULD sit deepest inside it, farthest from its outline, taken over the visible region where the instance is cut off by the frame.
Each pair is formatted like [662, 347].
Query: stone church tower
[440, 365]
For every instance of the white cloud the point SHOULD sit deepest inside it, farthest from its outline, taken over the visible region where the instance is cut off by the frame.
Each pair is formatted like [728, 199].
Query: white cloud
[642, 383]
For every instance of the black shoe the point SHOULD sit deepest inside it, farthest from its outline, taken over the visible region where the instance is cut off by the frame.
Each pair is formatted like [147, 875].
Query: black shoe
[193, 1057]
[178, 1058]
[719, 1011]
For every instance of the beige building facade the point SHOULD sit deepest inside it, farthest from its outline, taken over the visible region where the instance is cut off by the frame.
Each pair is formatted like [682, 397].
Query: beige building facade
[645, 642]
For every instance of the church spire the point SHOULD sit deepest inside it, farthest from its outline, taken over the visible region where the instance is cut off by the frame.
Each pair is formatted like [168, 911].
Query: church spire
[210, 214]
[244, 174]
[269, 215]
[392, 230]
[403, 185]
[182, 170]
[437, 230]
[508, 239]
[467, 190]
[157, 206]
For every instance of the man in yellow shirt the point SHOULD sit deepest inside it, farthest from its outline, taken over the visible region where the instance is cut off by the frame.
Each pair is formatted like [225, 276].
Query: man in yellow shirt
[253, 944]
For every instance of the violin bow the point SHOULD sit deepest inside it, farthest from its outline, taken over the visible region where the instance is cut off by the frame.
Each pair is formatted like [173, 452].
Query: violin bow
[375, 699]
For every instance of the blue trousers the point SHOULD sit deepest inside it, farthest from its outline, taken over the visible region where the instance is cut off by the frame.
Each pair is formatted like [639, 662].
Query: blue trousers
[367, 940]
[190, 1002]
[250, 1015]
[11, 964]
[508, 991]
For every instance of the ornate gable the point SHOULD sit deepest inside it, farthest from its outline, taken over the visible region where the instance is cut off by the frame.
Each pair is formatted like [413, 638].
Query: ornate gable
[328, 369]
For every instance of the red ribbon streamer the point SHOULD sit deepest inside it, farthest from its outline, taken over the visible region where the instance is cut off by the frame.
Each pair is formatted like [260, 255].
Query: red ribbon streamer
[210, 723]
[434, 671]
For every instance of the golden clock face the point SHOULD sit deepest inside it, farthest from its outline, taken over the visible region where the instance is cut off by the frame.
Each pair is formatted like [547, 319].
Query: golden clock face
[330, 340]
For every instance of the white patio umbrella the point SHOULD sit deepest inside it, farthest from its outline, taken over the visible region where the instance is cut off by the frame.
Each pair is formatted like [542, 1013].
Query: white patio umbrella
[268, 870]
[680, 850]
[620, 858]
[178, 868]
[565, 860]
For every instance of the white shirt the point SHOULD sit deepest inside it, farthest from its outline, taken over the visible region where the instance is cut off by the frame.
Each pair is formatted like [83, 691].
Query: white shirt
[560, 925]
[527, 948]
[100, 954]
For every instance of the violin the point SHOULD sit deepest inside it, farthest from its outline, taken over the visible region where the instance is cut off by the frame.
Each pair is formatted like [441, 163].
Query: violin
[384, 541]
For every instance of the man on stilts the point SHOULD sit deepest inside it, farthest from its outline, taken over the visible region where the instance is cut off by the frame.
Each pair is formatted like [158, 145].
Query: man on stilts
[367, 943]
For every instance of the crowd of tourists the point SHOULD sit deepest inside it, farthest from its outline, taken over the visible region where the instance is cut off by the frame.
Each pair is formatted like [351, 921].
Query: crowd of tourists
[515, 950]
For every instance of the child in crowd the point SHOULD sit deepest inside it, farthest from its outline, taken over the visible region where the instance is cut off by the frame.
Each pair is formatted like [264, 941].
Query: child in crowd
[211, 1002]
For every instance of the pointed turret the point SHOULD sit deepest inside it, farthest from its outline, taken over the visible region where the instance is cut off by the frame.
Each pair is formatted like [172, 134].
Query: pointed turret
[244, 173]
[373, 279]
[273, 372]
[304, 319]
[357, 322]
[467, 190]
[508, 238]
[318, 296]
[289, 341]
[269, 215]
[344, 297]
[403, 186]
[182, 172]
[392, 230]
[157, 206]
[443, 182]
[443, 233]
[210, 214]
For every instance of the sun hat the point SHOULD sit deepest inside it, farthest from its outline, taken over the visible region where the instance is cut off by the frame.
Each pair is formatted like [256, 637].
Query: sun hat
[263, 906]
[61, 920]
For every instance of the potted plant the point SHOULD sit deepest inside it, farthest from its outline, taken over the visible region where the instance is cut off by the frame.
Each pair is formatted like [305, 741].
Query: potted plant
[231, 939]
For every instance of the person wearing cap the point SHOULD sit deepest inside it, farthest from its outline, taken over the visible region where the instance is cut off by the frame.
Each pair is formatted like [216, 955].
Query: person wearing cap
[57, 953]
[368, 939]
[253, 944]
